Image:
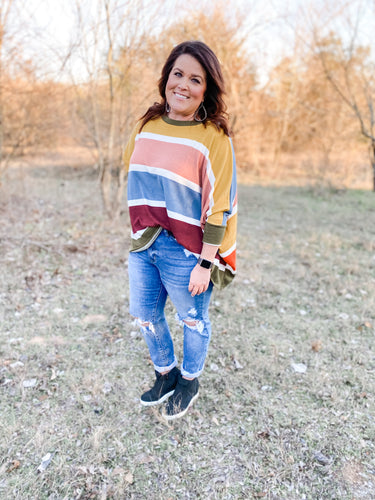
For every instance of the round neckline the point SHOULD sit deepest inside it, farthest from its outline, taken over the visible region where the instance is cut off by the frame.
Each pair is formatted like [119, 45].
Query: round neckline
[180, 123]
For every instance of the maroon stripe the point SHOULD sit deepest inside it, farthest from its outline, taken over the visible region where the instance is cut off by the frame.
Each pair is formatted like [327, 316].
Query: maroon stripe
[188, 235]
[144, 216]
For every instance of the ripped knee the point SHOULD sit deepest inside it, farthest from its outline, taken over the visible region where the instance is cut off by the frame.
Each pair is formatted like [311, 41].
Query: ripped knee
[190, 322]
[194, 324]
[145, 326]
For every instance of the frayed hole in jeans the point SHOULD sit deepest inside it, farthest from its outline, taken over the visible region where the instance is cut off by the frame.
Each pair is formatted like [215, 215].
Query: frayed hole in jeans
[194, 324]
[146, 326]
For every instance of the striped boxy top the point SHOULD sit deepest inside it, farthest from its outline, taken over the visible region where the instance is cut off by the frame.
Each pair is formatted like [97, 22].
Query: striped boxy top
[182, 177]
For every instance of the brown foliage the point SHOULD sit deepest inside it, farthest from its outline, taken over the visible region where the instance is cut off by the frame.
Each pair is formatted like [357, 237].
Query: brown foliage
[302, 110]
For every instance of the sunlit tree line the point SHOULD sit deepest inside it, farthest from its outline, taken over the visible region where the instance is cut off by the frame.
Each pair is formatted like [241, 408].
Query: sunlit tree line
[317, 99]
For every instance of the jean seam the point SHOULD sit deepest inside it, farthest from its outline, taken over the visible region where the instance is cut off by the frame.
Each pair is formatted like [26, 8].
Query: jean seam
[161, 348]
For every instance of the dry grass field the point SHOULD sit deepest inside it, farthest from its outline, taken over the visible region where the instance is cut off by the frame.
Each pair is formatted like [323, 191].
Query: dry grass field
[286, 409]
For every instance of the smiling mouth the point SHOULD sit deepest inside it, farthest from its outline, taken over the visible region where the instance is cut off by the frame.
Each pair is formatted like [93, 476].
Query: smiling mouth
[181, 96]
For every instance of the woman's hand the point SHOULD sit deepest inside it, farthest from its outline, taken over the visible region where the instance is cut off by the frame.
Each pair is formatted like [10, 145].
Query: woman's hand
[199, 280]
[200, 276]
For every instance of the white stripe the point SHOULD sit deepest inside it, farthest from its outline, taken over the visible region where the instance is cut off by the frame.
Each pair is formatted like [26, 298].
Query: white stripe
[138, 234]
[165, 173]
[183, 218]
[234, 211]
[144, 201]
[211, 178]
[231, 214]
[222, 267]
[228, 252]
[174, 140]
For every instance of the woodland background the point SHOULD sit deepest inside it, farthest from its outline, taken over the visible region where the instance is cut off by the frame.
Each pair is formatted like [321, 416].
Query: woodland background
[300, 84]
[286, 407]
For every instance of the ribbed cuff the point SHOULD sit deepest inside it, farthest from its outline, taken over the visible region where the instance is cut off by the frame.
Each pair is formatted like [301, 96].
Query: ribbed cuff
[213, 235]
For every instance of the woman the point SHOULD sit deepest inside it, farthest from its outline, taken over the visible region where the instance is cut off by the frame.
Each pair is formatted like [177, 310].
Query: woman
[182, 204]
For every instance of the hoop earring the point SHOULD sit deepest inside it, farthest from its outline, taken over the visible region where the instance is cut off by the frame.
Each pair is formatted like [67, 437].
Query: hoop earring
[201, 107]
[167, 107]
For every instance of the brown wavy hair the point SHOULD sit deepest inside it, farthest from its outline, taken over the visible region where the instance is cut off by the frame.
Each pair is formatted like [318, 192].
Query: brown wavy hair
[213, 99]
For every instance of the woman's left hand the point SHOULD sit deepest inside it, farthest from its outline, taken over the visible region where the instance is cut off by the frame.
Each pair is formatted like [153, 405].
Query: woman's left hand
[199, 280]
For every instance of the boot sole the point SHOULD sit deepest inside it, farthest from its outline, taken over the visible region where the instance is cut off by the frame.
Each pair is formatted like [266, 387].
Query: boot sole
[158, 402]
[182, 413]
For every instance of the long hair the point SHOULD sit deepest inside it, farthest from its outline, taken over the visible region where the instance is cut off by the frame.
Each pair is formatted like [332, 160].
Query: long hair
[213, 100]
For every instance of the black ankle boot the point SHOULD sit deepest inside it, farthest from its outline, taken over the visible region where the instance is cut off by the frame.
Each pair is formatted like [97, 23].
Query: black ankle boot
[185, 393]
[163, 388]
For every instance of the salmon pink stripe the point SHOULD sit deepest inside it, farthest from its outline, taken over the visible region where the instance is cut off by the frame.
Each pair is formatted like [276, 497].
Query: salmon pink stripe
[181, 159]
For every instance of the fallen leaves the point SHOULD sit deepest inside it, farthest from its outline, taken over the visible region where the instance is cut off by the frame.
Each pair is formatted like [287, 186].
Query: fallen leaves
[360, 395]
[15, 464]
[316, 345]
[113, 336]
[260, 494]
[364, 326]
[70, 247]
[91, 470]
[264, 434]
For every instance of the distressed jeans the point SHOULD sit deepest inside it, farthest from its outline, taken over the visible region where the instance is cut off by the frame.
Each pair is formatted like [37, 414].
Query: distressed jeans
[160, 271]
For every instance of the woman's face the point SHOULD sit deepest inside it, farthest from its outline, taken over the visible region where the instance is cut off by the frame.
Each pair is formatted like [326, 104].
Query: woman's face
[185, 88]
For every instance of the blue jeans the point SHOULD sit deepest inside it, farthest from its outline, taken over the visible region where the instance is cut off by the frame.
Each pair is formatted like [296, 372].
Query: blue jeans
[161, 270]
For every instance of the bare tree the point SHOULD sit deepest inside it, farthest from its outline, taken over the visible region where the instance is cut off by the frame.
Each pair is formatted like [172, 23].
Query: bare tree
[26, 101]
[109, 45]
[284, 86]
[350, 68]
[6, 8]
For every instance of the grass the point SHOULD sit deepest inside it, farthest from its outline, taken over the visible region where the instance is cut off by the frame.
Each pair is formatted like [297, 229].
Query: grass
[72, 363]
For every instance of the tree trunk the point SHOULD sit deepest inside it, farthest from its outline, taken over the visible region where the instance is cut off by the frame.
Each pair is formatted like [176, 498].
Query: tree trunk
[373, 164]
[119, 193]
[106, 189]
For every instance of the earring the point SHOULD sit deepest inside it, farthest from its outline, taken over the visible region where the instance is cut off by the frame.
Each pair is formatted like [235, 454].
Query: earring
[167, 107]
[201, 107]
